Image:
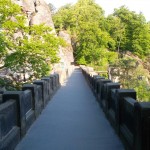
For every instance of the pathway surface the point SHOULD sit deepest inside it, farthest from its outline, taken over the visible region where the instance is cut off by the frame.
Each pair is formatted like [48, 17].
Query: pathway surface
[72, 120]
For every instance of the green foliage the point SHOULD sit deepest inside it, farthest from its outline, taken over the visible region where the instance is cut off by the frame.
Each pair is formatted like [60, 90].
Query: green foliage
[85, 22]
[143, 90]
[7, 10]
[131, 33]
[82, 61]
[117, 30]
[132, 75]
[63, 18]
[8, 84]
[99, 41]
[135, 31]
[140, 83]
[2, 45]
[26, 49]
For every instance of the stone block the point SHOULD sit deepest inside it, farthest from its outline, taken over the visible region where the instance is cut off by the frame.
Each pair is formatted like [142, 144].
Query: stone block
[127, 123]
[142, 126]
[57, 80]
[40, 97]
[1, 98]
[18, 96]
[36, 102]
[112, 112]
[107, 96]
[24, 108]
[97, 85]
[49, 89]
[101, 92]
[43, 84]
[121, 94]
[93, 80]
[9, 130]
[52, 82]
[29, 111]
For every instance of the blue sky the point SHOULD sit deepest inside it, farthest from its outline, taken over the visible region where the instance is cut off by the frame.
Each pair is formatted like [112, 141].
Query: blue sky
[109, 5]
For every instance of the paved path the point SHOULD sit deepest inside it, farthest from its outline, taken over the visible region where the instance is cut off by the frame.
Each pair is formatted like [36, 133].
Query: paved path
[72, 120]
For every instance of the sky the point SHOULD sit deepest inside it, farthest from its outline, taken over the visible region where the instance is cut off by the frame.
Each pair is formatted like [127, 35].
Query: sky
[109, 5]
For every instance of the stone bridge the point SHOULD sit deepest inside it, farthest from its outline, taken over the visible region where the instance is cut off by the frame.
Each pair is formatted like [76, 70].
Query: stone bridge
[91, 114]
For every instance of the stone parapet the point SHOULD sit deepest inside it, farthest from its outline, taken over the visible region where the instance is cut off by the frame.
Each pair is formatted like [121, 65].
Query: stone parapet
[129, 118]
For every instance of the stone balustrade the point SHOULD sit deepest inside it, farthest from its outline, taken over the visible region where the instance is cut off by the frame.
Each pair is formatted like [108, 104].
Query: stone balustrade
[129, 118]
[19, 109]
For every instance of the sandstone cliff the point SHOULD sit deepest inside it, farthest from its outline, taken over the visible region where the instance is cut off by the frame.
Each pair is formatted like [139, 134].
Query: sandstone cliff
[37, 12]
[68, 50]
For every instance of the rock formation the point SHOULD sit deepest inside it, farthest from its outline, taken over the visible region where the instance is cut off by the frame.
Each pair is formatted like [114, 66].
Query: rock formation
[38, 12]
[68, 50]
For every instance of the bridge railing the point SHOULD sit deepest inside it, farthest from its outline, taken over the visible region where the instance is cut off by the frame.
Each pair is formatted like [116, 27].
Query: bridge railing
[129, 118]
[19, 109]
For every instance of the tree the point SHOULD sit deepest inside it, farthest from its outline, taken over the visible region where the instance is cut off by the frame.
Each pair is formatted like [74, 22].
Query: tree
[27, 49]
[84, 20]
[2, 47]
[34, 55]
[98, 41]
[116, 30]
[63, 18]
[137, 34]
[129, 70]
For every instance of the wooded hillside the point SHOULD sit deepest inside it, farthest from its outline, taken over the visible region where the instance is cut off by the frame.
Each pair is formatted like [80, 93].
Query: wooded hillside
[104, 42]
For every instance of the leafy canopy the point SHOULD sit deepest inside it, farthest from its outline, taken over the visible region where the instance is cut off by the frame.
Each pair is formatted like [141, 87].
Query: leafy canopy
[26, 49]
[84, 21]
[131, 29]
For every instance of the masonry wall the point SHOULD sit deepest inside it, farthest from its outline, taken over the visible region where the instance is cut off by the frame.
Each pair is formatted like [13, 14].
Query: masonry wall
[129, 118]
[19, 109]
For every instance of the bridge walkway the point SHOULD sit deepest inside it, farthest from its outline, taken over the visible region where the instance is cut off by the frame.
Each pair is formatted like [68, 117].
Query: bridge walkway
[72, 120]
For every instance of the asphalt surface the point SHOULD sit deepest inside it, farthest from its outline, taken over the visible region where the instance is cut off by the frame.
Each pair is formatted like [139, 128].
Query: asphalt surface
[72, 120]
